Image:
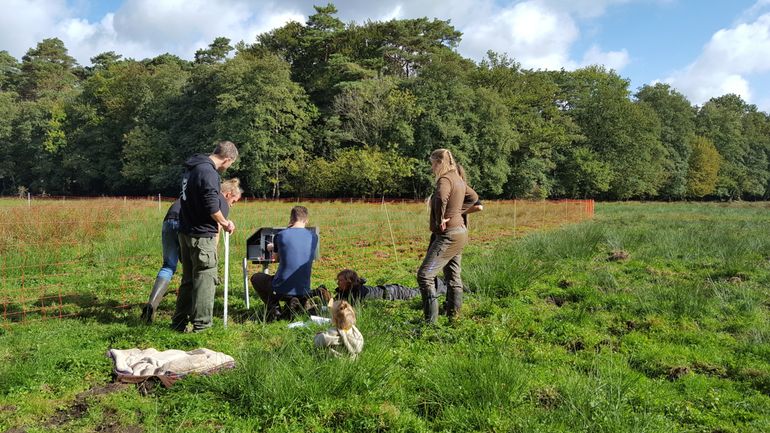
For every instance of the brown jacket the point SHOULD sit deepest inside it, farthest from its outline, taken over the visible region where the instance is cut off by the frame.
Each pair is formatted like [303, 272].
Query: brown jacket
[447, 201]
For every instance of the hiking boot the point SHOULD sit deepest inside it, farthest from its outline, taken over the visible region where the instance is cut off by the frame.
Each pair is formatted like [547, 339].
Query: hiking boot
[273, 314]
[295, 307]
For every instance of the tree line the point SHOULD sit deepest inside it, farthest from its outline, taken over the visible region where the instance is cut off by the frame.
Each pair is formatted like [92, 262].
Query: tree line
[329, 109]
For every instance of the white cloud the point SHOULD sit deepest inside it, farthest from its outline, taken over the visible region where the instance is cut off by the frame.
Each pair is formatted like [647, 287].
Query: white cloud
[727, 62]
[139, 28]
[532, 33]
[24, 23]
[584, 8]
[537, 33]
[754, 11]
[616, 60]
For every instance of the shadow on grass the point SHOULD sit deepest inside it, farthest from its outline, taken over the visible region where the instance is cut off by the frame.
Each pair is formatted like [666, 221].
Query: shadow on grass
[86, 306]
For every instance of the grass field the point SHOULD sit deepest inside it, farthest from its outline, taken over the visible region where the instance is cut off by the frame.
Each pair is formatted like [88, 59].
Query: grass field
[649, 318]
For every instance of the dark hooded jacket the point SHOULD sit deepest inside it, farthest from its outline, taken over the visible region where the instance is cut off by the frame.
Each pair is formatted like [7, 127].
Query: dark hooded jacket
[388, 292]
[199, 197]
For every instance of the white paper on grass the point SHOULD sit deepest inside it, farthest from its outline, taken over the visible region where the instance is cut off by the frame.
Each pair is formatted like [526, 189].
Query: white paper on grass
[297, 325]
[318, 320]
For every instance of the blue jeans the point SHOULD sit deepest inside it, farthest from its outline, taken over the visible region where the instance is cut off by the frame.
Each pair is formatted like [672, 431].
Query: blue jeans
[170, 239]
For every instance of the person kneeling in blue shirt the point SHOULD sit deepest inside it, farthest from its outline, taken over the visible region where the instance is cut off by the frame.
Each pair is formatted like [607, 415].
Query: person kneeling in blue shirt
[295, 247]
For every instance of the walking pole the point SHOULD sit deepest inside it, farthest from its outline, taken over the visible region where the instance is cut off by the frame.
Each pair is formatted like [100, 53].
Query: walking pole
[246, 281]
[227, 270]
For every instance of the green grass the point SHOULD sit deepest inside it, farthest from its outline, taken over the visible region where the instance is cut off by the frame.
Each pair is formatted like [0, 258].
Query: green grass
[554, 338]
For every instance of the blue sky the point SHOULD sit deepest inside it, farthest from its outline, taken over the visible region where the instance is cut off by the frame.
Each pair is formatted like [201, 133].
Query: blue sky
[702, 48]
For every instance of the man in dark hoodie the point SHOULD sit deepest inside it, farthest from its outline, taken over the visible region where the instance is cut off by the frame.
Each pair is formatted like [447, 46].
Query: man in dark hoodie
[199, 219]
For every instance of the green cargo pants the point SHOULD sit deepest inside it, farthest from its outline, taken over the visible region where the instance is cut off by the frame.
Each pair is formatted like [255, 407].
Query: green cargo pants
[195, 302]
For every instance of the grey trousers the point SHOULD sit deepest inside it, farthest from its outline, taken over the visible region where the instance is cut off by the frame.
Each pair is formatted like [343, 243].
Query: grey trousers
[444, 253]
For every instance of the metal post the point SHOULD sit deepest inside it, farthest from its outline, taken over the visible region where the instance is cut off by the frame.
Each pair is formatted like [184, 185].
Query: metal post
[159, 209]
[246, 281]
[29, 200]
[227, 271]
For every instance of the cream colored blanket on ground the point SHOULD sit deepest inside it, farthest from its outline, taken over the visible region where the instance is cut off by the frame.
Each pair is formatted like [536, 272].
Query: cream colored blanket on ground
[150, 362]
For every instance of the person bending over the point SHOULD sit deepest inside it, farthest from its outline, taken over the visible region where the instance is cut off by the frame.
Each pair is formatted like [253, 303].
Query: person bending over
[170, 244]
[230, 193]
[295, 247]
[199, 222]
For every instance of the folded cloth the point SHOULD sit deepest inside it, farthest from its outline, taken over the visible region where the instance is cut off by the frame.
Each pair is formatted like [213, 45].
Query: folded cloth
[137, 365]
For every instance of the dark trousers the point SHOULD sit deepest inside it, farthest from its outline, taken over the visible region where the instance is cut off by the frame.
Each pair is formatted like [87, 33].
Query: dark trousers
[263, 285]
[444, 253]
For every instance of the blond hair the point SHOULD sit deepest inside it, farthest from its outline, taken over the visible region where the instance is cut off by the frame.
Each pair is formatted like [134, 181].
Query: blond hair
[232, 187]
[343, 315]
[446, 162]
[461, 172]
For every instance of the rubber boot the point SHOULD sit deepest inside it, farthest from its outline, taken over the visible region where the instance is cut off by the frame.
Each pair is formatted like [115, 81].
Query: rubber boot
[158, 290]
[430, 308]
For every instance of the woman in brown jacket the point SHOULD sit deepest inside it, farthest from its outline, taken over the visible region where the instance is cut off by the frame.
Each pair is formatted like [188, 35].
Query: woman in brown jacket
[449, 236]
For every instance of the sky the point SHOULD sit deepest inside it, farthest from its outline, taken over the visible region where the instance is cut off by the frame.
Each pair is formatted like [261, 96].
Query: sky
[703, 48]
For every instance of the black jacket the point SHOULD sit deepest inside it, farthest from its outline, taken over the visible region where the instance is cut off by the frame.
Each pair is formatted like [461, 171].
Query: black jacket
[199, 197]
[388, 292]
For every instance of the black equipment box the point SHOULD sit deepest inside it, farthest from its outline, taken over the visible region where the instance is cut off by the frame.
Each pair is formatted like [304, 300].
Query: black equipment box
[256, 245]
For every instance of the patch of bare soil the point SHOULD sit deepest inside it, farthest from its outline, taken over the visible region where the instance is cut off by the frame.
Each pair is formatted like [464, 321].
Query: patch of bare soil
[79, 407]
[618, 255]
[548, 397]
[677, 372]
[110, 424]
[556, 300]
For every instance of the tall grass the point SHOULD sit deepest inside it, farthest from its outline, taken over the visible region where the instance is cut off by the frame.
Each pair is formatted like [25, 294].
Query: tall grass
[554, 337]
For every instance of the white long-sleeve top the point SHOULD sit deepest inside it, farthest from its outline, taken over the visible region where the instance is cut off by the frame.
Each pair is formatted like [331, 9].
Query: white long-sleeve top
[333, 338]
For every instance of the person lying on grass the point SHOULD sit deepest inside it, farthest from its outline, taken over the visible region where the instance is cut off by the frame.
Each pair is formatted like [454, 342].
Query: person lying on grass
[343, 337]
[352, 288]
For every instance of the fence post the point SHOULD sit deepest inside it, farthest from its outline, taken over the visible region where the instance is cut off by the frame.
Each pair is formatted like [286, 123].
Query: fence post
[29, 200]
[159, 209]
[392, 237]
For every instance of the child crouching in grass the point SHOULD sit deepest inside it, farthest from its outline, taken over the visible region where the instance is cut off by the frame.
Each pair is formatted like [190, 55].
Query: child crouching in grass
[343, 336]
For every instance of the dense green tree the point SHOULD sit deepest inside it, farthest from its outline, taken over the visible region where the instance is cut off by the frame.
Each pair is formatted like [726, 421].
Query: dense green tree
[216, 52]
[377, 113]
[472, 122]
[8, 168]
[325, 108]
[325, 52]
[47, 70]
[543, 131]
[677, 118]
[355, 172]
[258, 107]
[704, 162]
[622, 135]
[10, 70]
[730, 123]
[105, 60]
